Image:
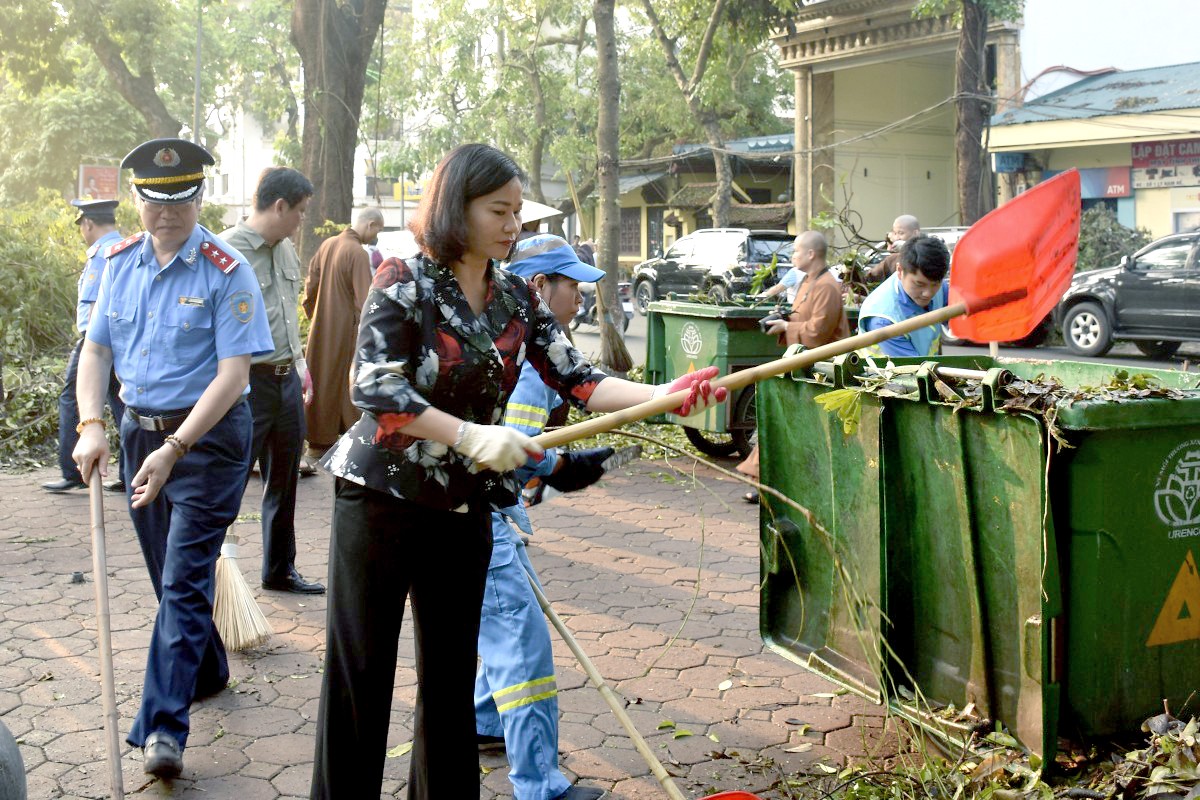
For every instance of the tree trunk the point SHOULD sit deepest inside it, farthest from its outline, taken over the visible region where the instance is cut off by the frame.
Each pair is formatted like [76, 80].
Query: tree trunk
[690, 87]
[538, 147]
[971, 113]
[335, 42]
[724, 175]
[613, 353]
[137, 90]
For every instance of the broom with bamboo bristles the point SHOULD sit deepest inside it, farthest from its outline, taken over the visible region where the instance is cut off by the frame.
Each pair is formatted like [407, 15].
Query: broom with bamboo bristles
[238, 618]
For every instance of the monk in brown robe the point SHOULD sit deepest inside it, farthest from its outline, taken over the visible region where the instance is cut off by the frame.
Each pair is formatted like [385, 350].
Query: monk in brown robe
[339, 277]
[818, 315]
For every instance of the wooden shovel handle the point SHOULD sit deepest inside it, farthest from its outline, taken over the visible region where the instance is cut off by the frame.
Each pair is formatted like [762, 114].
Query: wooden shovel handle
[108, 691]
[745, 377]
[610, 697]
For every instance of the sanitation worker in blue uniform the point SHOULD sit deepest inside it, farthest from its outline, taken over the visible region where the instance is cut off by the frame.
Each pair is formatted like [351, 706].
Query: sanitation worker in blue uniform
[516, 699]
[98, 227]
[180, 315]
[917, 286]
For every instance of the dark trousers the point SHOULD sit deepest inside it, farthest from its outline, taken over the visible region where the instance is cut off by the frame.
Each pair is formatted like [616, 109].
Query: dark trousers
[181, 534]
[277, 403]
[382, 550]
[68, 416]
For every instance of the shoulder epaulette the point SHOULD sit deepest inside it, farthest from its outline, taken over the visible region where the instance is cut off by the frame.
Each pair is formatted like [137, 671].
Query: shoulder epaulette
[220, 259]
[124, 243]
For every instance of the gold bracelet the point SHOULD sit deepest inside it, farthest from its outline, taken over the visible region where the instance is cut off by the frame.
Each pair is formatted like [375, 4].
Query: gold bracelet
[84, 423]
[180, 447]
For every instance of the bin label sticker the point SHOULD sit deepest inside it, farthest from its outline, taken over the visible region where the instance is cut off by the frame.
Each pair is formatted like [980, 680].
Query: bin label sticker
[1177, 495]
[1179, 619]
[690, 340]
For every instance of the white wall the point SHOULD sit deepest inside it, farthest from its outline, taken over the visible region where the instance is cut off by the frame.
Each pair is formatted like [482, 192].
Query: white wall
[906, 171]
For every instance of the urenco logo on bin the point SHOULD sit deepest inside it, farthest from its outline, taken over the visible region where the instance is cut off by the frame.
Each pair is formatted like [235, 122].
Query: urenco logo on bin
[690, 340]
[1177, 494]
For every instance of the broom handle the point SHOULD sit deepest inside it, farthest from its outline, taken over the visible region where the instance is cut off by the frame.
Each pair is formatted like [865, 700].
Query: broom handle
[608, 694]
[104, 634]
[736, 380]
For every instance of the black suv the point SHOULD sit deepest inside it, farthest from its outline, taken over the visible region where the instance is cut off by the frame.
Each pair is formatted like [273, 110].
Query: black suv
[1151, 298]
[718, 262]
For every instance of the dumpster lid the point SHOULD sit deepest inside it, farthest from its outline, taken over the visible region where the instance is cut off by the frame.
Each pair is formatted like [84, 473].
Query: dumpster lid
[710, 310]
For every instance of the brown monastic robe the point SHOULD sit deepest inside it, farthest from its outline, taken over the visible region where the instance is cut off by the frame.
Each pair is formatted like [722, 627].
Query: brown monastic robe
[339, 277]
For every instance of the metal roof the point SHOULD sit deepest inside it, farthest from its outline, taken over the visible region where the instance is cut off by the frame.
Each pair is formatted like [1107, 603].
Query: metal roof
[627, 183]
[1138, 91]
[778, 143]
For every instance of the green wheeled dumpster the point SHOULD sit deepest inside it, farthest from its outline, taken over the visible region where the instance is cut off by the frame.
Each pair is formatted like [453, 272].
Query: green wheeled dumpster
[987, 540]
[682, 337]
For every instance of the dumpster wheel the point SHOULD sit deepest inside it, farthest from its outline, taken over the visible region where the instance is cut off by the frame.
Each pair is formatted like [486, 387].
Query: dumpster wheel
[720, 445]
[711, 443]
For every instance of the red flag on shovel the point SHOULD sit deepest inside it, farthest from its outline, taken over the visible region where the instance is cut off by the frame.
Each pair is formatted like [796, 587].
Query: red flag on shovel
[1009, 271]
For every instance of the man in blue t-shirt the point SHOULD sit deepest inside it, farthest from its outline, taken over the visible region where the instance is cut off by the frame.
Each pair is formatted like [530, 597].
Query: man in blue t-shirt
[917, 287]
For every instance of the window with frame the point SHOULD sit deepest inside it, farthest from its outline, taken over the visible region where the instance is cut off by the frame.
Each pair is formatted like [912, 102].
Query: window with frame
[631, 232]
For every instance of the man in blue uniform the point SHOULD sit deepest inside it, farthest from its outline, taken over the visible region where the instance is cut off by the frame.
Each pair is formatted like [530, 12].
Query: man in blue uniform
[180, 316]
[98, 227]
[516, 700]
[279, 379]
[917, 286]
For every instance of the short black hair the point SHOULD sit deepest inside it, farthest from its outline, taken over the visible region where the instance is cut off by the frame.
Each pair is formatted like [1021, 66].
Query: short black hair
[465, 173]
[281, 183]
[927, 254]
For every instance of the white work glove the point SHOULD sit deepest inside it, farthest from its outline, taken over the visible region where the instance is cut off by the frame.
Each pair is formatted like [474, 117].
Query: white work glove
[777, 327]
[496, 447]
[305, 380]
[701, 393]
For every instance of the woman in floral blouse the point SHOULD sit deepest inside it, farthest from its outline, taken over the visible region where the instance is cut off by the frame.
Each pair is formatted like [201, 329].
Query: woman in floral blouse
[441, 343]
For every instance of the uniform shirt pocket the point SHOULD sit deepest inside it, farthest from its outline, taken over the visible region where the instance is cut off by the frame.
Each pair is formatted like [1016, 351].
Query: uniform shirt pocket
[187, 334]
[122, 323]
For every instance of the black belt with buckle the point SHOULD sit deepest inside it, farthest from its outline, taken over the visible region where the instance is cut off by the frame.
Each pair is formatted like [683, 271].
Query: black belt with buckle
[166, 421]
[274, 370]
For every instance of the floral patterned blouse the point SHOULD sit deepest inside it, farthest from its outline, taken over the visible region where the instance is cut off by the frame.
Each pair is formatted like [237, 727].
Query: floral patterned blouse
[420, 345]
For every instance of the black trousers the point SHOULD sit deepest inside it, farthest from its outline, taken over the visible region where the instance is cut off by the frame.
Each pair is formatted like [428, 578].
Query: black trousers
[68, 416]
[277, 403]
[381, 551]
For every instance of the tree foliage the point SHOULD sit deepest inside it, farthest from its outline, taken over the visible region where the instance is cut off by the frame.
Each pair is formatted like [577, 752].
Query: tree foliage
[1103, 240]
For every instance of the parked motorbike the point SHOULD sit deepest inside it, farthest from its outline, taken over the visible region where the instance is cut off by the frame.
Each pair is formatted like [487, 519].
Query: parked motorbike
[587, 309]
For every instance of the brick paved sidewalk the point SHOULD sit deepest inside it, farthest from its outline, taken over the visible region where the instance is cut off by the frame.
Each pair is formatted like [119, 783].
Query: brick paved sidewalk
[625, 563]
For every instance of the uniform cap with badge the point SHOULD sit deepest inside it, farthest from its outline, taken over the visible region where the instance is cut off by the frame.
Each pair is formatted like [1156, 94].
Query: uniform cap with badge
[168, 171]
[102, 212]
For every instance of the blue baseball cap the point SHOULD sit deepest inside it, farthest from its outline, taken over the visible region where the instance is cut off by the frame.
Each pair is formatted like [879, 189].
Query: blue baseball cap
[547, 254]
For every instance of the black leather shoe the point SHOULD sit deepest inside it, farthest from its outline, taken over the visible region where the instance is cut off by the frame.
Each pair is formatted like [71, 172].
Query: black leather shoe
[162, 756]
[115, 486]
[751, 497]
[294, 583]
[64, 485]
[489, 744]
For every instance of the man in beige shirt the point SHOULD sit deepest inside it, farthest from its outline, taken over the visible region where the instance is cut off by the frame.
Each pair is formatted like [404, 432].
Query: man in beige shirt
[818, 315]
[279, 380]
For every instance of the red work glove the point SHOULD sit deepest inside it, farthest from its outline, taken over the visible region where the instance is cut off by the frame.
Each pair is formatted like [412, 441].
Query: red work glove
[702, 394]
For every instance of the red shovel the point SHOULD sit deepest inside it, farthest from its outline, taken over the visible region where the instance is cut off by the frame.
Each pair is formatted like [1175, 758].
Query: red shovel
[1009, 271]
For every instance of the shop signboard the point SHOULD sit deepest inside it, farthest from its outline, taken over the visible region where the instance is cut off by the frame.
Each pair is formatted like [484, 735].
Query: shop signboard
[98, 182]
[1163, 164]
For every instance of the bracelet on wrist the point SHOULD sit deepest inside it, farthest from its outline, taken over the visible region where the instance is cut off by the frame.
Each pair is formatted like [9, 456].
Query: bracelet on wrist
[462, 431]
[90, 420]
[181, 448]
